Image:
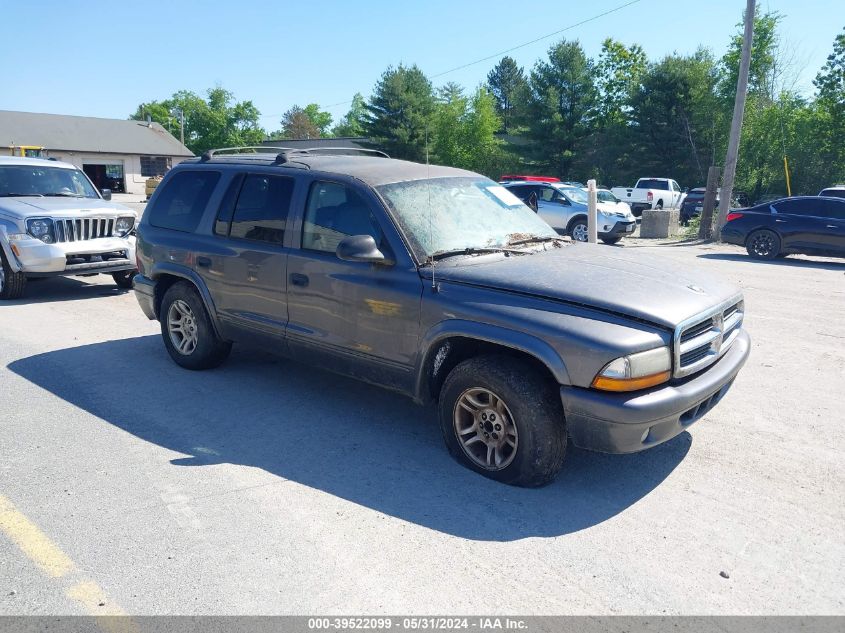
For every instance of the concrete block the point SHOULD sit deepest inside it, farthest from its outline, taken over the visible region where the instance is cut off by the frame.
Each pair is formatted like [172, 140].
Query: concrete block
[659, 223]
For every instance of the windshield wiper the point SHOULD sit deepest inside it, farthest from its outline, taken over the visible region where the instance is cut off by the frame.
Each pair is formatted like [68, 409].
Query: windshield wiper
[63, 194]
[536, 238]
[14, 194]
[472, 250]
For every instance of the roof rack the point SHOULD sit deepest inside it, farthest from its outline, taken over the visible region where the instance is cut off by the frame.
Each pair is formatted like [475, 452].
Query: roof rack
[251, 149]
[333, 151]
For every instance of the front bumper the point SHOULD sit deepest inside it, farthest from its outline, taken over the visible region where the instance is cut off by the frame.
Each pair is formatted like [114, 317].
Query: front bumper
[620, 229]
[35, 258]
[630, 422]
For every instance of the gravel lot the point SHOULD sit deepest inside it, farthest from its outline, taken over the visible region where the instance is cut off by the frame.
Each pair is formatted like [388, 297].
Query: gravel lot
[270, 487]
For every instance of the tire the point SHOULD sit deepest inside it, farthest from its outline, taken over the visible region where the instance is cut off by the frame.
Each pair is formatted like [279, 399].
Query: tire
[124, 278]
[763, 244]
[183, 312]
[659, 205]
[529, 449]
[578, 230]
[611, 240]
[12, 284]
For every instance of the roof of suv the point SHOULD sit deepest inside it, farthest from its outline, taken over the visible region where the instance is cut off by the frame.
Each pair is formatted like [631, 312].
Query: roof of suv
[372, 170]
[37, 162]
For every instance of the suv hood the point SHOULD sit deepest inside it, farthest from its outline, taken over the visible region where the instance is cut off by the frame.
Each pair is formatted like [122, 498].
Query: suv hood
[32, 205]
[616, 280]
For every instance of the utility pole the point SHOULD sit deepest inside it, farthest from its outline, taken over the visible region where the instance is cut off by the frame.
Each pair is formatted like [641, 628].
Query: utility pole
[726, 192]
[181, 124]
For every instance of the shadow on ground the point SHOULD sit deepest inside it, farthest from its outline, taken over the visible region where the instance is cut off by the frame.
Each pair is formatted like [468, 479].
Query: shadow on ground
[51, 289]
[792, 261]
[357, 442]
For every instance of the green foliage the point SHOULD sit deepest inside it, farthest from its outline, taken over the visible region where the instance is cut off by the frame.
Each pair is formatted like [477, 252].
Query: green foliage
[618, 73]
[218, 121]
[561, 107]
[829, 130]
[307, 122]
[764, 70]
[352, 123]
[507, 84]
[399, 112]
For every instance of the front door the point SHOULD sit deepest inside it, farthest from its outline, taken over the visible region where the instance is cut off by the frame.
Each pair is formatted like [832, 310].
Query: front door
[354, 317]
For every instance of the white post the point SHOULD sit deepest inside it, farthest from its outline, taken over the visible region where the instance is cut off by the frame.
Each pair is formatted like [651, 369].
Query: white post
[592, 219]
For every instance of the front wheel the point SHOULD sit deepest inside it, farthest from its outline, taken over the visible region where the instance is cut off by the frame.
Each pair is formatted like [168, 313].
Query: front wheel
[123, 279]
[763, 244]
[578, 230]
[502, 418]
[12, 283]
[187, 331]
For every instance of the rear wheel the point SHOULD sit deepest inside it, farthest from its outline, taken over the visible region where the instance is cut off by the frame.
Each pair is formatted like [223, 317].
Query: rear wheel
[124, 278]
[186, 328]
[659, 204]
[763, 244]
[12, 283]
[502, 418]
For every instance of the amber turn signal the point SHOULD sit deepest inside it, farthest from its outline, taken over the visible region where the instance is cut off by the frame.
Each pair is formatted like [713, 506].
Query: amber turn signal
[630, 384]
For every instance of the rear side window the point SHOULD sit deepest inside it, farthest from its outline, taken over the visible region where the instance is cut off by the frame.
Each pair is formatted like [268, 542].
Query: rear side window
[835, 209]
[804, 206]
[180, 205]
[262, 208]
[333, 213]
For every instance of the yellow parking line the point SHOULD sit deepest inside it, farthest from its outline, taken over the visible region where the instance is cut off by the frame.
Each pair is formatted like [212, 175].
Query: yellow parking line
[32, 541]
[47, 555]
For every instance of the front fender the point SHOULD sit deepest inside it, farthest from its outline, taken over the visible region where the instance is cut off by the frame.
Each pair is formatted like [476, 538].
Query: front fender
[495, 334]
[11, 258]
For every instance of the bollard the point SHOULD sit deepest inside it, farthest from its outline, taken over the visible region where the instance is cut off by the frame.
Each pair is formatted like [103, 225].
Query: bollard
[592, 219]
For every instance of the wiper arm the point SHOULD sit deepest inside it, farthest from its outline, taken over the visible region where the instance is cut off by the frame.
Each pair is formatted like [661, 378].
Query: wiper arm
[14, 194]
[62, 194]
[472, 250]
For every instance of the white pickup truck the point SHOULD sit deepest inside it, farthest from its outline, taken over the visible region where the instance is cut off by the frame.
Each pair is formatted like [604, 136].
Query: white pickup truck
[650, 193]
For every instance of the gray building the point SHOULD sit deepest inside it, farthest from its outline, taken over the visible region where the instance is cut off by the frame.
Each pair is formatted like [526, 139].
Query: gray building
[115, 153]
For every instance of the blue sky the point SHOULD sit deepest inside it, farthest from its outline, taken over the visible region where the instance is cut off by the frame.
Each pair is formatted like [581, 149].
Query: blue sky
[96, 58]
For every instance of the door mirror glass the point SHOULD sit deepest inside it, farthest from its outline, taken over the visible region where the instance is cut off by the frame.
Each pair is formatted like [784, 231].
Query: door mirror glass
[361, 248]
[106, 193]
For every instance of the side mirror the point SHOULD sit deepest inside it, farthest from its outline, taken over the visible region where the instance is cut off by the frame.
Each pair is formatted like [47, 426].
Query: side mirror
[106, 193]
[361, 248]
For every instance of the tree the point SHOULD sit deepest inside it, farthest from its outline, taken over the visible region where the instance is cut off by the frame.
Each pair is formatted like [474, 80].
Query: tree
[618, 73]
[296, 124]
[561, 104]
[217, 121]
[321, 120]
[399, 112]
[766, 66]
[830, 126]
[352, 123]
[507, 84]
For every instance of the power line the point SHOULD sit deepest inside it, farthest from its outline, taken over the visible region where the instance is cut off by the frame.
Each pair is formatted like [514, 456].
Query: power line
[539, 39]
[505, 52]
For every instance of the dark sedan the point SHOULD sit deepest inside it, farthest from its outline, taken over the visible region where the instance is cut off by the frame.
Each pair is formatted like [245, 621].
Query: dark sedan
[810, 225]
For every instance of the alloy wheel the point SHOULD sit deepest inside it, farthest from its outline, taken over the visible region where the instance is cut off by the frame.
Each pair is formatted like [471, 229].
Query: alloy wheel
[579, 232]
[763, 245]
[485, 429]
[182, 327]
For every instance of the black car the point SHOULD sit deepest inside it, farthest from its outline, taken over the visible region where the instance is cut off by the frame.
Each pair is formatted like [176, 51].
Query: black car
[692, 204]
[810, 225]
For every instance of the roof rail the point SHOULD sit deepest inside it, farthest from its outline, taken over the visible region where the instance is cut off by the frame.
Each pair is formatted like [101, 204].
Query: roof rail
[331, 151]
[252, 149]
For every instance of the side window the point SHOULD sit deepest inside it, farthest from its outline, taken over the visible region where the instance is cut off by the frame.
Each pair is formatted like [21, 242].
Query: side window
[547, 194]
[262, 208]
[675, 186]
[334, 212]
[181, 203]
[835, 209]
[805, 207]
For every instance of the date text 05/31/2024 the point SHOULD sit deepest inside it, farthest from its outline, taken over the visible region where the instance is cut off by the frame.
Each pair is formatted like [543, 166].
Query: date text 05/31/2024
[417, 624]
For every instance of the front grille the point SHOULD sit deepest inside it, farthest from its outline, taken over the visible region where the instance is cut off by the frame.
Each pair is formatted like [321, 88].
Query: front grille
[81, 229]
[701, 341]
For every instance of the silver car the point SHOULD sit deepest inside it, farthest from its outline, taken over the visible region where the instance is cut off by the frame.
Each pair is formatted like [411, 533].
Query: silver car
[565, 209]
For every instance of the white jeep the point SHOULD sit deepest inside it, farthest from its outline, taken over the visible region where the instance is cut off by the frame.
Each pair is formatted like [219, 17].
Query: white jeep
[53, 221]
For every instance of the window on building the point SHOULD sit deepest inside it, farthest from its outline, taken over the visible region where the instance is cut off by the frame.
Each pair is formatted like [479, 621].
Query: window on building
[154, 165]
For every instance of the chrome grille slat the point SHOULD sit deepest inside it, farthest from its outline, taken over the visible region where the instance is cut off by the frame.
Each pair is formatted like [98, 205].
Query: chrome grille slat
[76, 230]
[701, 341]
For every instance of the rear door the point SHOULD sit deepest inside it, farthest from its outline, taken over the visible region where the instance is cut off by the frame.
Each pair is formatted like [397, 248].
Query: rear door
[246, 274]
[358, 318]
[553, 207]
[801, 223]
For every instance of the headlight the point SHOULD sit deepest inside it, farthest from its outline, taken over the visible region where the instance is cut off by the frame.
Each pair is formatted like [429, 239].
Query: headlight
[635, 371]
[41, 228]
[123, 225]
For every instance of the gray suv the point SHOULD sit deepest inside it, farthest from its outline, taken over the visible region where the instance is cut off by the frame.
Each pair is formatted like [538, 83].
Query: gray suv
[442, 285]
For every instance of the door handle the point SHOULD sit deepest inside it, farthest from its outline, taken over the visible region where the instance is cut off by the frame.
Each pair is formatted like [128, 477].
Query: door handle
[830, 226]
[780, 220]
[204, 262]
[298, 279]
